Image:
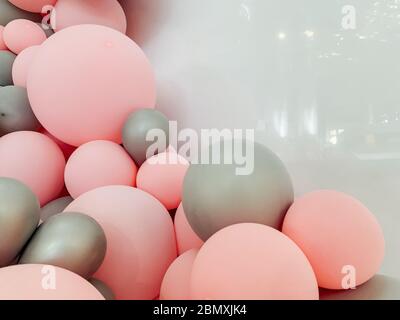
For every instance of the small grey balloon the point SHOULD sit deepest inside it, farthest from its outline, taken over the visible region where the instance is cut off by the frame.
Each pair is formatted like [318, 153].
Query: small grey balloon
[7, 59]
[15, 111]
[55, 207]
[135, 131]
[103, 289]
[19, 217]
[379, 287]
[9, 12]
[225, 193]
[71, 240]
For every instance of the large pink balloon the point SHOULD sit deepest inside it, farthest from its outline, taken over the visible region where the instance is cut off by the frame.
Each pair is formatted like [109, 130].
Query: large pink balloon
[69, 13]
[35, 160]
[21, 34]
[140, 239]
[22, 64]
[32, 5]
[186, 238]
[176, 282]
[86, 80]
[2, 43]
[42, 282]
[339, 235]
[252, 261]
[97, 164]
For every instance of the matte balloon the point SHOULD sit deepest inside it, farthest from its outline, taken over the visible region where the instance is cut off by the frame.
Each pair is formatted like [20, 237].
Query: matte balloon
[108, 13]
[43, 282]
[252, 262]
[65, 148]
[22, 64]
[19, 216]
[15, 111]
[338, 234]
[35, 160]
[55, 207]
[216, 195]
[9, 12]
[2, 43]
[33, 5]
[7, 59]
[21, 33]
[103, 289]
[78, 105]
[136, 130]
[176, 282]
[72, 241]
[140, 239]
[186, 238]
[97, 164]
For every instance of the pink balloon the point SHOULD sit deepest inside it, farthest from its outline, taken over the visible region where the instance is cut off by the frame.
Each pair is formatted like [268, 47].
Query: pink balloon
[176, 282]
[252, 261]
[140, 239]
[2, 43]
[97, 164]
[69, 13]
[43, 282]
[186, 238]
[32, 5]
[162, 176]
[89, 95]
[65, 148]
[20, 34]
[35, 160]
[336, 232]
[22, 64]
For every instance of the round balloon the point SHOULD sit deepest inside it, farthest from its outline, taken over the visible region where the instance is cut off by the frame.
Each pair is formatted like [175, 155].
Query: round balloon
[103, 289]
[339, 235]
[2, 43]
[97, 164]
[19, 216]
[108, 13]
[22, 64]
[35, 160]
[21, 33]
[72, 241]
[44, 282]
[176, 282]
[225, 193]
[7, 59]
[78, 105]
[137, 133]
[9, 12]
[15, 111]
[33, 5]
[252, 262]
[140, 239]
[55, 207]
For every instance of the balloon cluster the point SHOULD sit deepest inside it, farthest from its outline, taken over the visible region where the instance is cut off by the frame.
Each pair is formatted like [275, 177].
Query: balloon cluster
[81, 200]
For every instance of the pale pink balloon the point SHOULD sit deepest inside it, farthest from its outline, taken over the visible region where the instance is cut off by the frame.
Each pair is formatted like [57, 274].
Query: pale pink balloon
[252, 261]
[339, 235]
[69, 13]
[20, 34]
[176, 282]
[35, 160]
[162, 176]
[2, 43]
[22, 64]
[186, 238]
[32, 5]
[97, 164]
[65, 148]
[140, 239]
[89, 95]
[43, 282]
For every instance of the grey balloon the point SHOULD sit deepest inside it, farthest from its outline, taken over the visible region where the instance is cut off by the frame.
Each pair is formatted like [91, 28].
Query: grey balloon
[9, 12]
[19, 217]
[15, 111]
[218, 195]
[135, 131]
[103, 289]
[379, 287]
[72, 241]
[6, 63]
[55, 207]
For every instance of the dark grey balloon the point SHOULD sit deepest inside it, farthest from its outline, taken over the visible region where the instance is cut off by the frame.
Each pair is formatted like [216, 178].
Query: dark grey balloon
[103, 289]
[218, 195]
[6, 63]
[135, 131]
[9, 12]
[72, 241]
[19, 217]
[55, 207]
[15, 111]
[378, 288]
